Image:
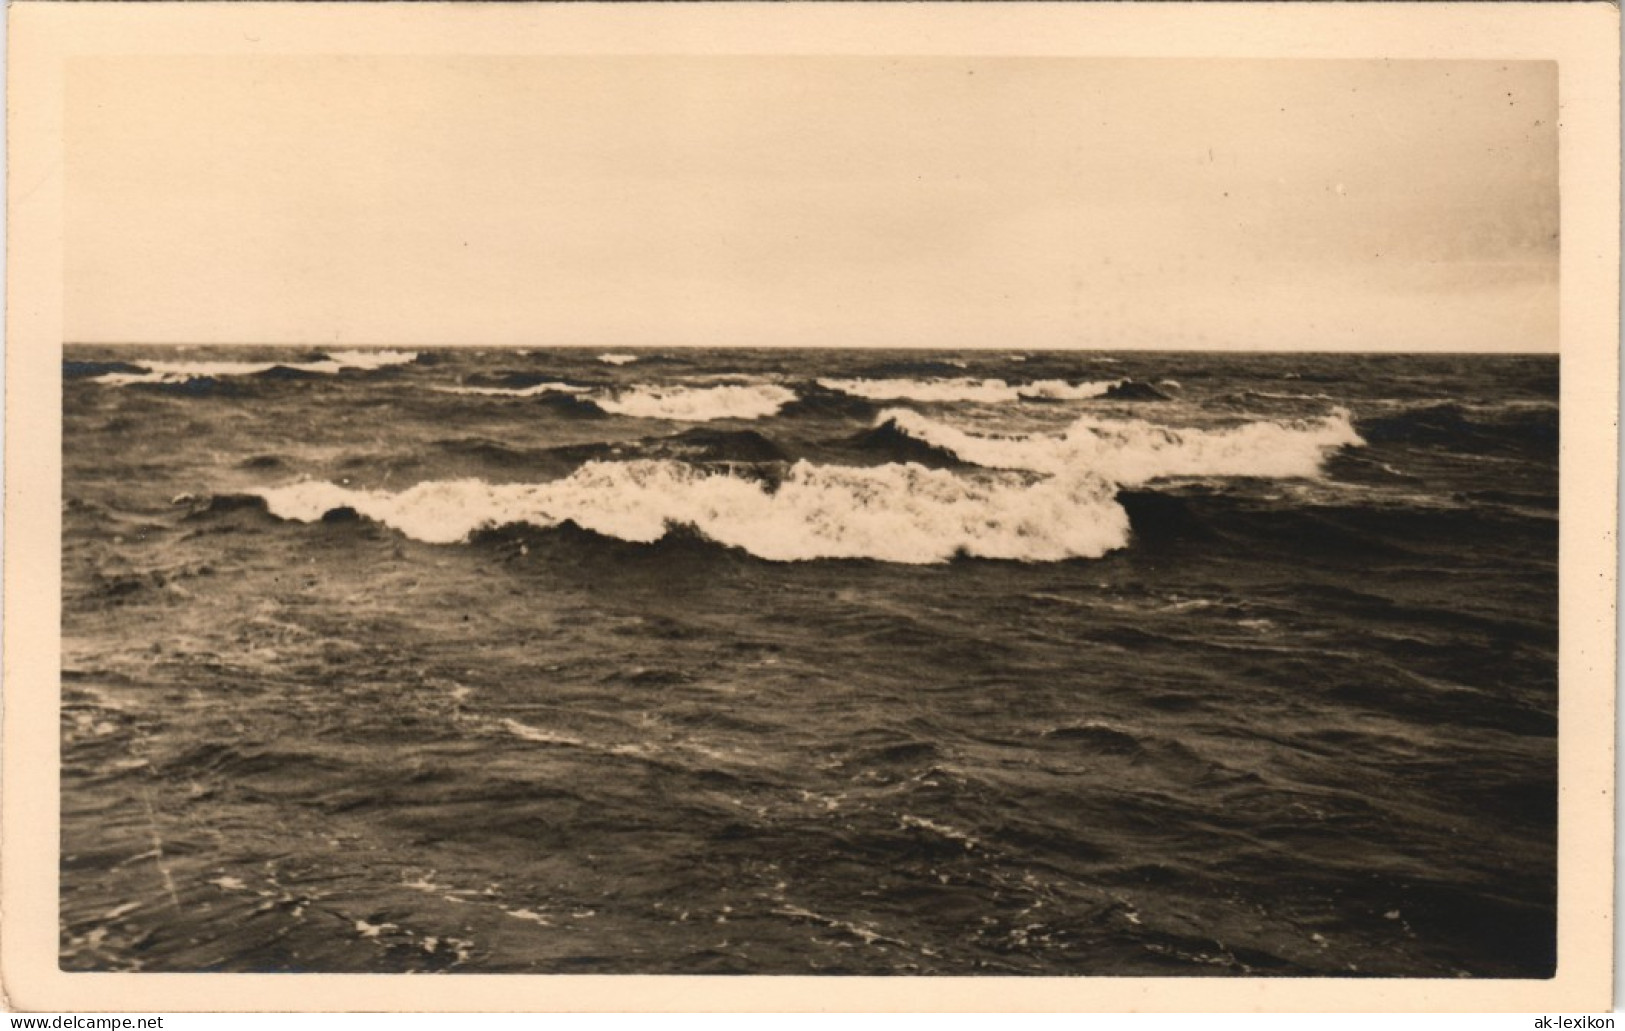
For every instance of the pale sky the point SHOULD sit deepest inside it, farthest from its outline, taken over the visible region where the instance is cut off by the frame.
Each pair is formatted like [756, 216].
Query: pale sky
[844, 201]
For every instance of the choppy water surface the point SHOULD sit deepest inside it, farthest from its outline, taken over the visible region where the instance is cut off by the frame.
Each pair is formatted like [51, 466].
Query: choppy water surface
[809, 662]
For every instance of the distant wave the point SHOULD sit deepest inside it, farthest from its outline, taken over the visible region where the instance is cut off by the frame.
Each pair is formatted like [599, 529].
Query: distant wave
[912, 367]
[1130, 451]
[95, 369]
[617, 359]
[534, 390]
[891, 513]
[728, 400]
[337, 360]
[185, 371]
[697, 404]
[987, 391]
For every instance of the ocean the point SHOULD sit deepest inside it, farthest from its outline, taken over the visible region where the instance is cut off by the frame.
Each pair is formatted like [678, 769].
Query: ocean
[809, 662]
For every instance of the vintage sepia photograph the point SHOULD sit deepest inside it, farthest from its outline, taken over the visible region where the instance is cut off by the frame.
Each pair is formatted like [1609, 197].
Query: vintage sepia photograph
[838, 514]
[772, 647]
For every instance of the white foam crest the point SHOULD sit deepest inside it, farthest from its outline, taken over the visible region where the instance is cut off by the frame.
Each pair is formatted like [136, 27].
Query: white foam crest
[697, 404]
[990, 452]
[1132, 451]
[532, 391]
[617, 359]
[986, 391]
[893, 513]
[186, 371]
[1061, 390]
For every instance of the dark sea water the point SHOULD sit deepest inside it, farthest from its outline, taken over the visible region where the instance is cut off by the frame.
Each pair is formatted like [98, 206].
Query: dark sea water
[809, 662]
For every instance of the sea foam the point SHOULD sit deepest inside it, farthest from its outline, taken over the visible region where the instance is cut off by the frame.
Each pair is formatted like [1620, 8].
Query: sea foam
[697, 404]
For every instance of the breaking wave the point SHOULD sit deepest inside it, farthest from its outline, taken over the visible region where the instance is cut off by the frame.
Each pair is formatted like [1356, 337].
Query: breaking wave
[1131, 451]
[1061, 390]
[890, 513]
[1036, 498]
[697, 404]
[986, 391]
[186, 371]
[617, 359]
